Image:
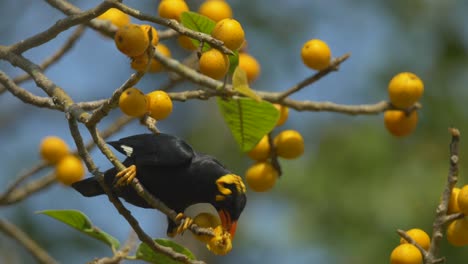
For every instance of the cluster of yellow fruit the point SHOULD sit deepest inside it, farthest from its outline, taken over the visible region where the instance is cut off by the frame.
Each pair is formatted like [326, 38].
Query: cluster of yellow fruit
[316, 54]
[156, 104]
[214, 63]
[457, 231]
[404, 90]
[288, 144]
[132, 40]
[220, 243]
[407, 253]
[68, 167]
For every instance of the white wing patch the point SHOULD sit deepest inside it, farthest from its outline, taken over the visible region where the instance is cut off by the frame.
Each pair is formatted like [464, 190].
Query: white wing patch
[128, 150]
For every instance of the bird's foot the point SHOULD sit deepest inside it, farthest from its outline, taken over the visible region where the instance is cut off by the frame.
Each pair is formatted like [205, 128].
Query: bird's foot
[126, 175]
[185, 223]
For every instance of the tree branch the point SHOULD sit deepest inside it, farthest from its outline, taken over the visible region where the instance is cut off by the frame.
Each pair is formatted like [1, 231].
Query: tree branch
[36, 251]
[441, 217]
[314, 78]
[26, 175]
[55, 57]
[16, 194]
[59, 27]
[24, 95]
[60, 98]
[19, 194]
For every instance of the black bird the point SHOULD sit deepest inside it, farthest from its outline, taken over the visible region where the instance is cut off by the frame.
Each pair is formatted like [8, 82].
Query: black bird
[173, 172]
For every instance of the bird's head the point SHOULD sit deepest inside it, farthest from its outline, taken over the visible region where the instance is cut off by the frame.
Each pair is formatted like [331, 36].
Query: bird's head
[230, 201]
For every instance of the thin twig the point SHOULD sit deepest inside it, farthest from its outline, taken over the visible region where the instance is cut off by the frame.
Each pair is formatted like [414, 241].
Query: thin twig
[410, 240]
[314, 78]
[24, 95]
[30, 245]
[59, 27]
[67, 46]
[21, 178]
[440, 220]
[121, 254]
[104, 27]
[58, 95]
[150, 123]
[274, 156]
[19, 194]
[112, 102]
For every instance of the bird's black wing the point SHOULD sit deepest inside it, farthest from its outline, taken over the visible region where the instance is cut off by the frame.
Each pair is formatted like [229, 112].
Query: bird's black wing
[155, 149]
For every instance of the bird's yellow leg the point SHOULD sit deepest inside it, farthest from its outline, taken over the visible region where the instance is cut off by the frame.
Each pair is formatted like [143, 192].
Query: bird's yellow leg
[185, 223]
[126, 175]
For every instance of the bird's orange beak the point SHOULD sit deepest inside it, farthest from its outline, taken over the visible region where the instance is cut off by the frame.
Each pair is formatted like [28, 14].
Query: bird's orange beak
[227, 223]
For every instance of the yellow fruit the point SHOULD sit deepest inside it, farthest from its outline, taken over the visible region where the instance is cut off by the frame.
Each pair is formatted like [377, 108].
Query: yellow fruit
[453, 202]
[116, 17]
[230, 32]
[284, 113]
[159, 105]
[206, 220]
[133, 102]
[289, 144]
[139, 62]
[221, 243]
[172, 9]
[215, 9]
[186, 42]
[70, 169]
[261, 151]
[405, 89]
[261, 176]
[316, 54]
[457, 232]
[154, 33]
[462, 200]
[53, 149]
[214, 63]
[406, 254]
[250, 65]
[131, 40]
[419, 236]
[398, 124]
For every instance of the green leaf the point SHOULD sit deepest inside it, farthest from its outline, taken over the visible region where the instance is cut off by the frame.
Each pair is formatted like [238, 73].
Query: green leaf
[197, 22]
[144, 252]
[240, 84]
[248, 120]
[81, 222]
[233, 61]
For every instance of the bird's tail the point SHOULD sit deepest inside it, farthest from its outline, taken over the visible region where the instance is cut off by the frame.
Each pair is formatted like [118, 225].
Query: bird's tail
[88, 187]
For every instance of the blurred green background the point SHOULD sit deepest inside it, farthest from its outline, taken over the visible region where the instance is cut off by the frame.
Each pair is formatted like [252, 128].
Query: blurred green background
[339, 203]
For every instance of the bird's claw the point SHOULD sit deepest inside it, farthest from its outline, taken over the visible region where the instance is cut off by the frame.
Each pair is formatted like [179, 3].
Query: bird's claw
[185, 223]
[126, 175]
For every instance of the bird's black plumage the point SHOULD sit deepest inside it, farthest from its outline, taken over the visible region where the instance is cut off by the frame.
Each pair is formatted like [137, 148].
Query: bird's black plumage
[174, 173]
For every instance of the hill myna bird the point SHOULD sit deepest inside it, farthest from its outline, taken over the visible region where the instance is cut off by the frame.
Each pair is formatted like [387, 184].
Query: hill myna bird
[174, 173]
